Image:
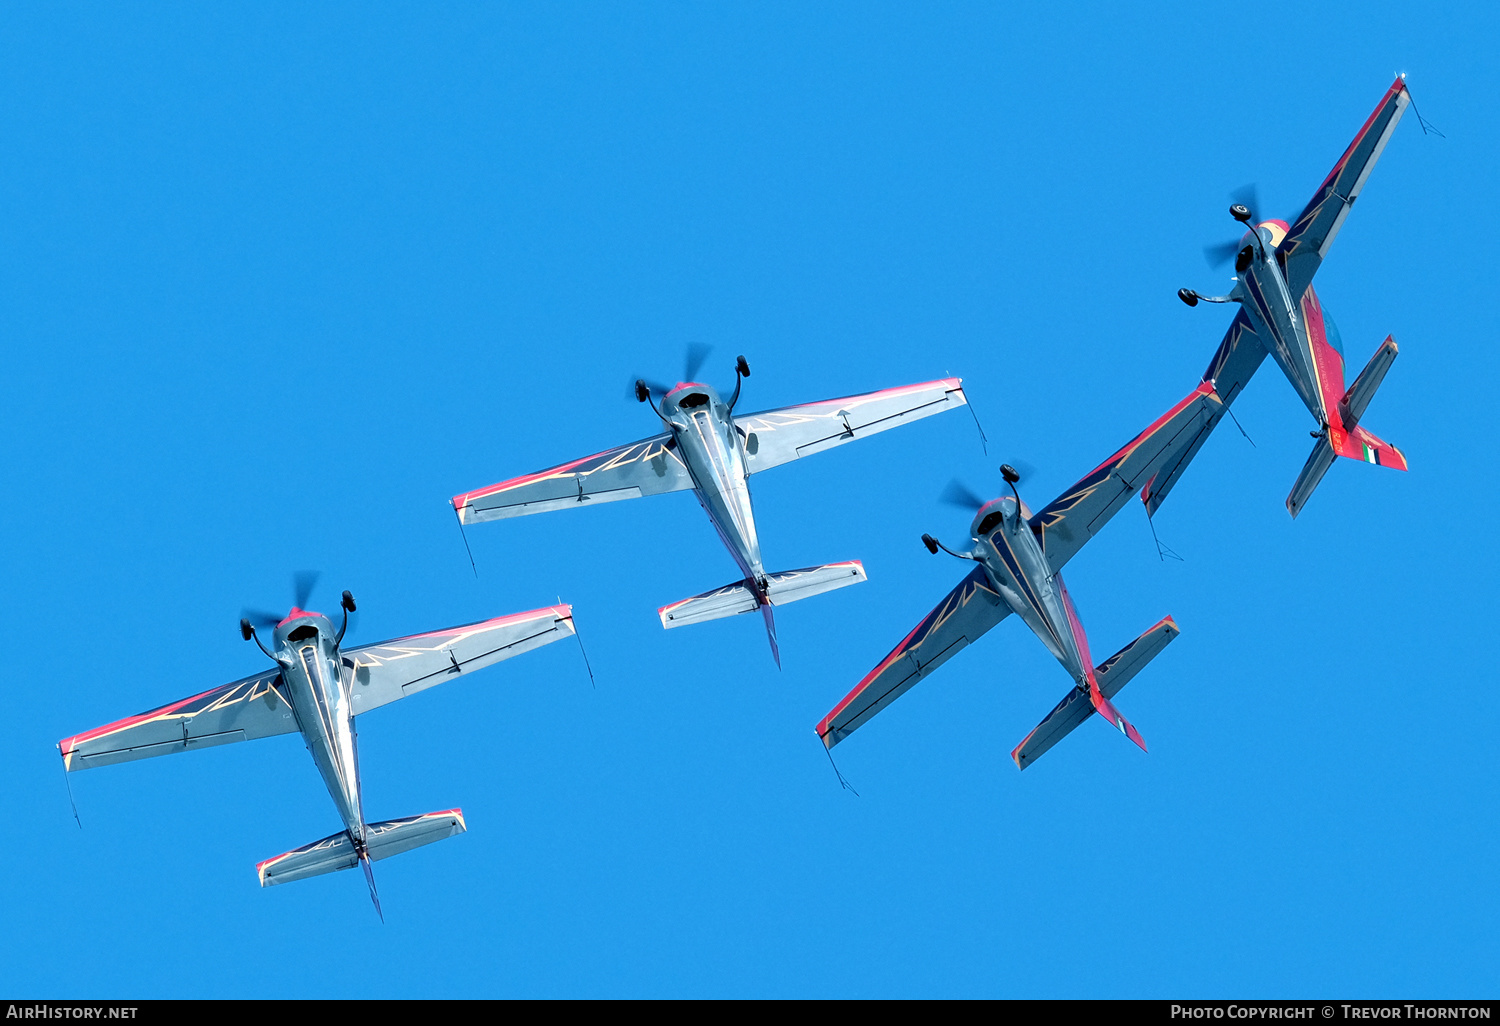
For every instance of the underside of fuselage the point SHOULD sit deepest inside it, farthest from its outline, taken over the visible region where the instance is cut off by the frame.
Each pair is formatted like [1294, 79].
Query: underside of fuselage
[306, 647]
[708, 444]
[1013, 558]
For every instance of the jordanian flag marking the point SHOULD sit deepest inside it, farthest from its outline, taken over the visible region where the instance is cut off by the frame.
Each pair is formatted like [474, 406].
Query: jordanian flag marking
[1371, 456]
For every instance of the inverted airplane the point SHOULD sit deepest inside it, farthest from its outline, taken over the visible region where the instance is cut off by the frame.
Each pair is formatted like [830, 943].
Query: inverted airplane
[1280, 313]
[1020, 557]
[317, 688]
[713, 452]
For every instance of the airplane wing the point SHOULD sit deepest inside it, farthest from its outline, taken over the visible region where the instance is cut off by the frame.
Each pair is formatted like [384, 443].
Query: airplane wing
[647, 467]
[780, 436]
[241, 711]
[1238, 358]
[389, 670]
[1306, 244]
[1082, 511]
[964, 615]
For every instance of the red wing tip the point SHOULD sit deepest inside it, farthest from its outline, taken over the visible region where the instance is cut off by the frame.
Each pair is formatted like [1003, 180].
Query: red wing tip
[455, 813]
[261, 866]
[1015, 753]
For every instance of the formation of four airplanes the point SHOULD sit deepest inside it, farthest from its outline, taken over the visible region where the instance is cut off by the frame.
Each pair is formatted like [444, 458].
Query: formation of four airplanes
[317, 687]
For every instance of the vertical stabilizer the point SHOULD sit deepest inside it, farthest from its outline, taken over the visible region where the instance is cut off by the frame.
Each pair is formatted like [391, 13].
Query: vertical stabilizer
[364, 860]
[765, 611]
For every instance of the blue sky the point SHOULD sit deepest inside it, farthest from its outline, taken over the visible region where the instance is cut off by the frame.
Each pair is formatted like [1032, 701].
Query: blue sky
[274, 284]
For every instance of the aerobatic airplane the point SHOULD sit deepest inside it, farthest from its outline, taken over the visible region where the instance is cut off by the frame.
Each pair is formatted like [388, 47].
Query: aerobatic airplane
[713, 452]
[1020, 557]
[318, 688]
[1280, 313]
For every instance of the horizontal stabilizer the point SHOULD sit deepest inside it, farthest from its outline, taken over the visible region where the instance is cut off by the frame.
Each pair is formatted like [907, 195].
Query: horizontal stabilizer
[382, 840]
[1113, 674]
[1361, 445]
[1352, 406]
[1312, 472]
[796, 585]
[781, 588]
[730, 600]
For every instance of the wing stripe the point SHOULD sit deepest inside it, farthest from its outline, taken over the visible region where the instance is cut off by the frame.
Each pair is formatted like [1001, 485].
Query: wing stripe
[863, 702]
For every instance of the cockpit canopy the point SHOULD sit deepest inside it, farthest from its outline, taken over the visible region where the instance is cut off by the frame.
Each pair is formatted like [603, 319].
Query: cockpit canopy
[693, 400]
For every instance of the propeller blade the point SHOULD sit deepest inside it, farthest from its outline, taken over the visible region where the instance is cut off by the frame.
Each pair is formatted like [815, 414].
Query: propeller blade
[961, 495]
[697, 352]
[1220, 253]
[657, 388]
[261, 618]
[303, 582]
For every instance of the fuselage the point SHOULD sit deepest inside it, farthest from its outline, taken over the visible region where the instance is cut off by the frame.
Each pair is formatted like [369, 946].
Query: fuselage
[1298, 334]
[306, 647]
[710, 447]
[1012, 557]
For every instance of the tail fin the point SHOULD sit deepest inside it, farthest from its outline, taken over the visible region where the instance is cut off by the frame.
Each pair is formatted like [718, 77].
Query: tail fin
[1346, 438]
[765, 612]
[364, 860]
[781, 588]
[1109, 677]
[382, 840]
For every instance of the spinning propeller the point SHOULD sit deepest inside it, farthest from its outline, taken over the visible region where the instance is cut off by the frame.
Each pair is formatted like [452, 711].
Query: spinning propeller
[961, 495]
[303, 582]
[1244, 202]
[642, 388]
